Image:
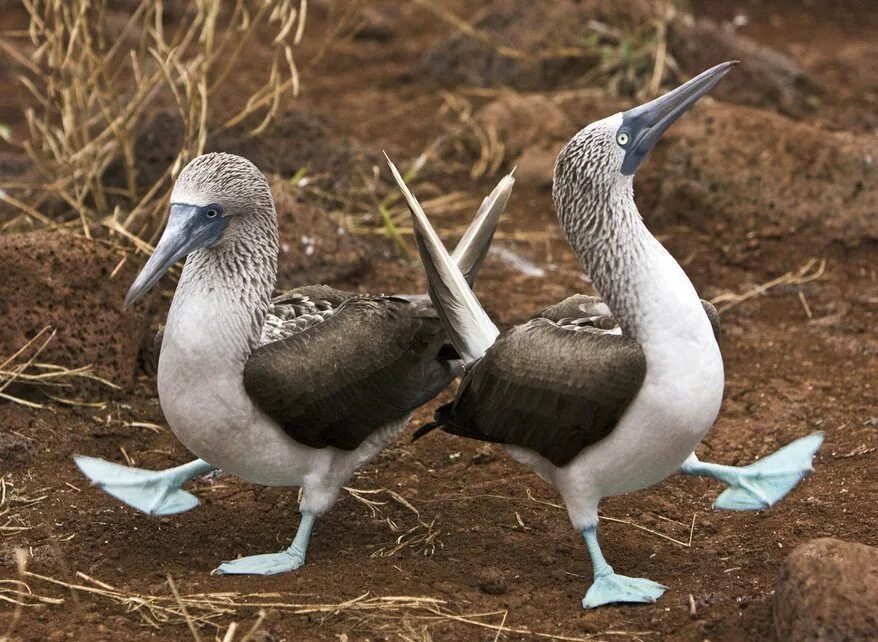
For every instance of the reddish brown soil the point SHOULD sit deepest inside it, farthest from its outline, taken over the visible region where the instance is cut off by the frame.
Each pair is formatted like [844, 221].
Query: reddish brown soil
[798, 359]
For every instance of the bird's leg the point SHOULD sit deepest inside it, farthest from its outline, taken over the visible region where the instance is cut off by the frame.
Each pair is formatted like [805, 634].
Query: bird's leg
[271, 563]
[764, 482]
[610, 588]
[154, 492]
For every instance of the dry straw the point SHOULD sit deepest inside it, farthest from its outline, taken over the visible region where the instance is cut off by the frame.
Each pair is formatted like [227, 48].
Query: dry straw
[392, 613]
[23, 369]
[94, 83]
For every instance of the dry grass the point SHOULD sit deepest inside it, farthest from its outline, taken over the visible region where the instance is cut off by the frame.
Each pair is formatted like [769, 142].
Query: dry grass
[810, 271]
[422, 537]
[13, 499]
[404, 617]
[23, 369]
[93, 83]
[374, 207]
[632, 60]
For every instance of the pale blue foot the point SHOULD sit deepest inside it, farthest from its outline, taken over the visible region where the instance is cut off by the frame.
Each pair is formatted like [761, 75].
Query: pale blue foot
[266, 564]
[764, 482]
[155, 492]
[272, 563]
[614, 589]
[611, 588]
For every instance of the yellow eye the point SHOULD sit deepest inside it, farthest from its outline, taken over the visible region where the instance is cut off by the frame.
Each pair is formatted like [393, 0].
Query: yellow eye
[622, 139]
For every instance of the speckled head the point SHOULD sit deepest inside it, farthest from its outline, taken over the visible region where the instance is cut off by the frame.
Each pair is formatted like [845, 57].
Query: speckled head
[217, 198]
[227, 180]
[611, 150]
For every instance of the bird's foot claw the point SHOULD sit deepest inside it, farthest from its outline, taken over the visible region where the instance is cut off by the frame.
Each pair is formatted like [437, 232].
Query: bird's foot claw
[612, 588]
[149, 491]
[765, 482]
[265, 564]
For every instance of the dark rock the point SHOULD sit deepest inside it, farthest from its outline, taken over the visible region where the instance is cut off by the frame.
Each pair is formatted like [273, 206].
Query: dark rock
[492, 582]
[485, 455]
[766, 77]
[73, 285]
[519, 119]
[536, 166]
[377, 22]
[298, 140]
[828, 591]
[804, 178]
[314, 247]
[536, 31]
[15, 448]
[533, 45]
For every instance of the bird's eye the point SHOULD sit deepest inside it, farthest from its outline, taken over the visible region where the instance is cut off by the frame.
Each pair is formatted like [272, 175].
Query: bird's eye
[622, 138]
[211, 213]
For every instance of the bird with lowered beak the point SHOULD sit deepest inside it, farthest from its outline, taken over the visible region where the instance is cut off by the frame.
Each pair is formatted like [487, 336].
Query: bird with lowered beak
[297, 390]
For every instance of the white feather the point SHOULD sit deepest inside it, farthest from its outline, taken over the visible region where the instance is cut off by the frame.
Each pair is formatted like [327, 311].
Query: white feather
[473, 246]
[470, 329]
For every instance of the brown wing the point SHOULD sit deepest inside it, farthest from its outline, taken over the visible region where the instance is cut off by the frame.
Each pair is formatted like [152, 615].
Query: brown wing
[373, 361]
[583, 306]
[578, 305]
[548, 388]
[713, 317]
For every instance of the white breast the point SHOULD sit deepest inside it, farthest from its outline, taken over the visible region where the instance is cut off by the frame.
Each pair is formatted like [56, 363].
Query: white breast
[677, 403]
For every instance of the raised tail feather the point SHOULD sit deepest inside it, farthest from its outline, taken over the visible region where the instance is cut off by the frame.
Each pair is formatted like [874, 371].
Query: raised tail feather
[471, 250]
[473, 246]
[469, 328]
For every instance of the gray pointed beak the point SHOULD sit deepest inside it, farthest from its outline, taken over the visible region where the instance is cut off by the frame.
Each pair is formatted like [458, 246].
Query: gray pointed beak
[644, 125]
[189, 228]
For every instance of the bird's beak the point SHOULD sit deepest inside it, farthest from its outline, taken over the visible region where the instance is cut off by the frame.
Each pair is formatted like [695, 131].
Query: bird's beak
[644, 125]
[189, 228]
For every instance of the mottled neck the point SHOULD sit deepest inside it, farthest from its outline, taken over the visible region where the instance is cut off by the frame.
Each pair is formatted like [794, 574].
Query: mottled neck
[605, 229]
[224, 292]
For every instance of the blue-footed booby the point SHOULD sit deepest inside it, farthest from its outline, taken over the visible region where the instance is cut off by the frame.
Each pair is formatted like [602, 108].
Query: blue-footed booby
[299, 390]
[603, 397]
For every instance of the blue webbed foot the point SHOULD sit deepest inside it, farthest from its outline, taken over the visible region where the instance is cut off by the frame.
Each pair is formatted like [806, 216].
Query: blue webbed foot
[271, 563]
[149, 491]
[765, 482]
[611, 588]
[266, 564]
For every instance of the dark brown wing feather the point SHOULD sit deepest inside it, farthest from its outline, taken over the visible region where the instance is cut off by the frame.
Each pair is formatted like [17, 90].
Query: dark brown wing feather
[583, 305]
[374, 360]
[713, 317]
[578, 305]
[547, 388]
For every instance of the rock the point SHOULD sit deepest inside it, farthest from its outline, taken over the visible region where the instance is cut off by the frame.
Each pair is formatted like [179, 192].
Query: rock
[16, 448]
[492, 582]
[314, 247]
[377, 22]
[828, 591]
[68, 282]
[485, 455]
[536, 165]
[516, 120]
[755, 170]
[539, 30]
[532, 45]
[299, 140]
[766, 77]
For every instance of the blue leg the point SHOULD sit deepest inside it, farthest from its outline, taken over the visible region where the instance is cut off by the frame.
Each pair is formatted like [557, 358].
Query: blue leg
[610, 588]
[764, 482]
[155, 492]
[271, 563]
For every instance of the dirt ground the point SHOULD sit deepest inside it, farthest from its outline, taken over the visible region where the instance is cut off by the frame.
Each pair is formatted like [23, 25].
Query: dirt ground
[740, 195]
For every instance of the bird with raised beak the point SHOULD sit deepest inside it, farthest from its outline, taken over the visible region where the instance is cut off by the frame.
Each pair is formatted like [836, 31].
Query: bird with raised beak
[603, 396]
